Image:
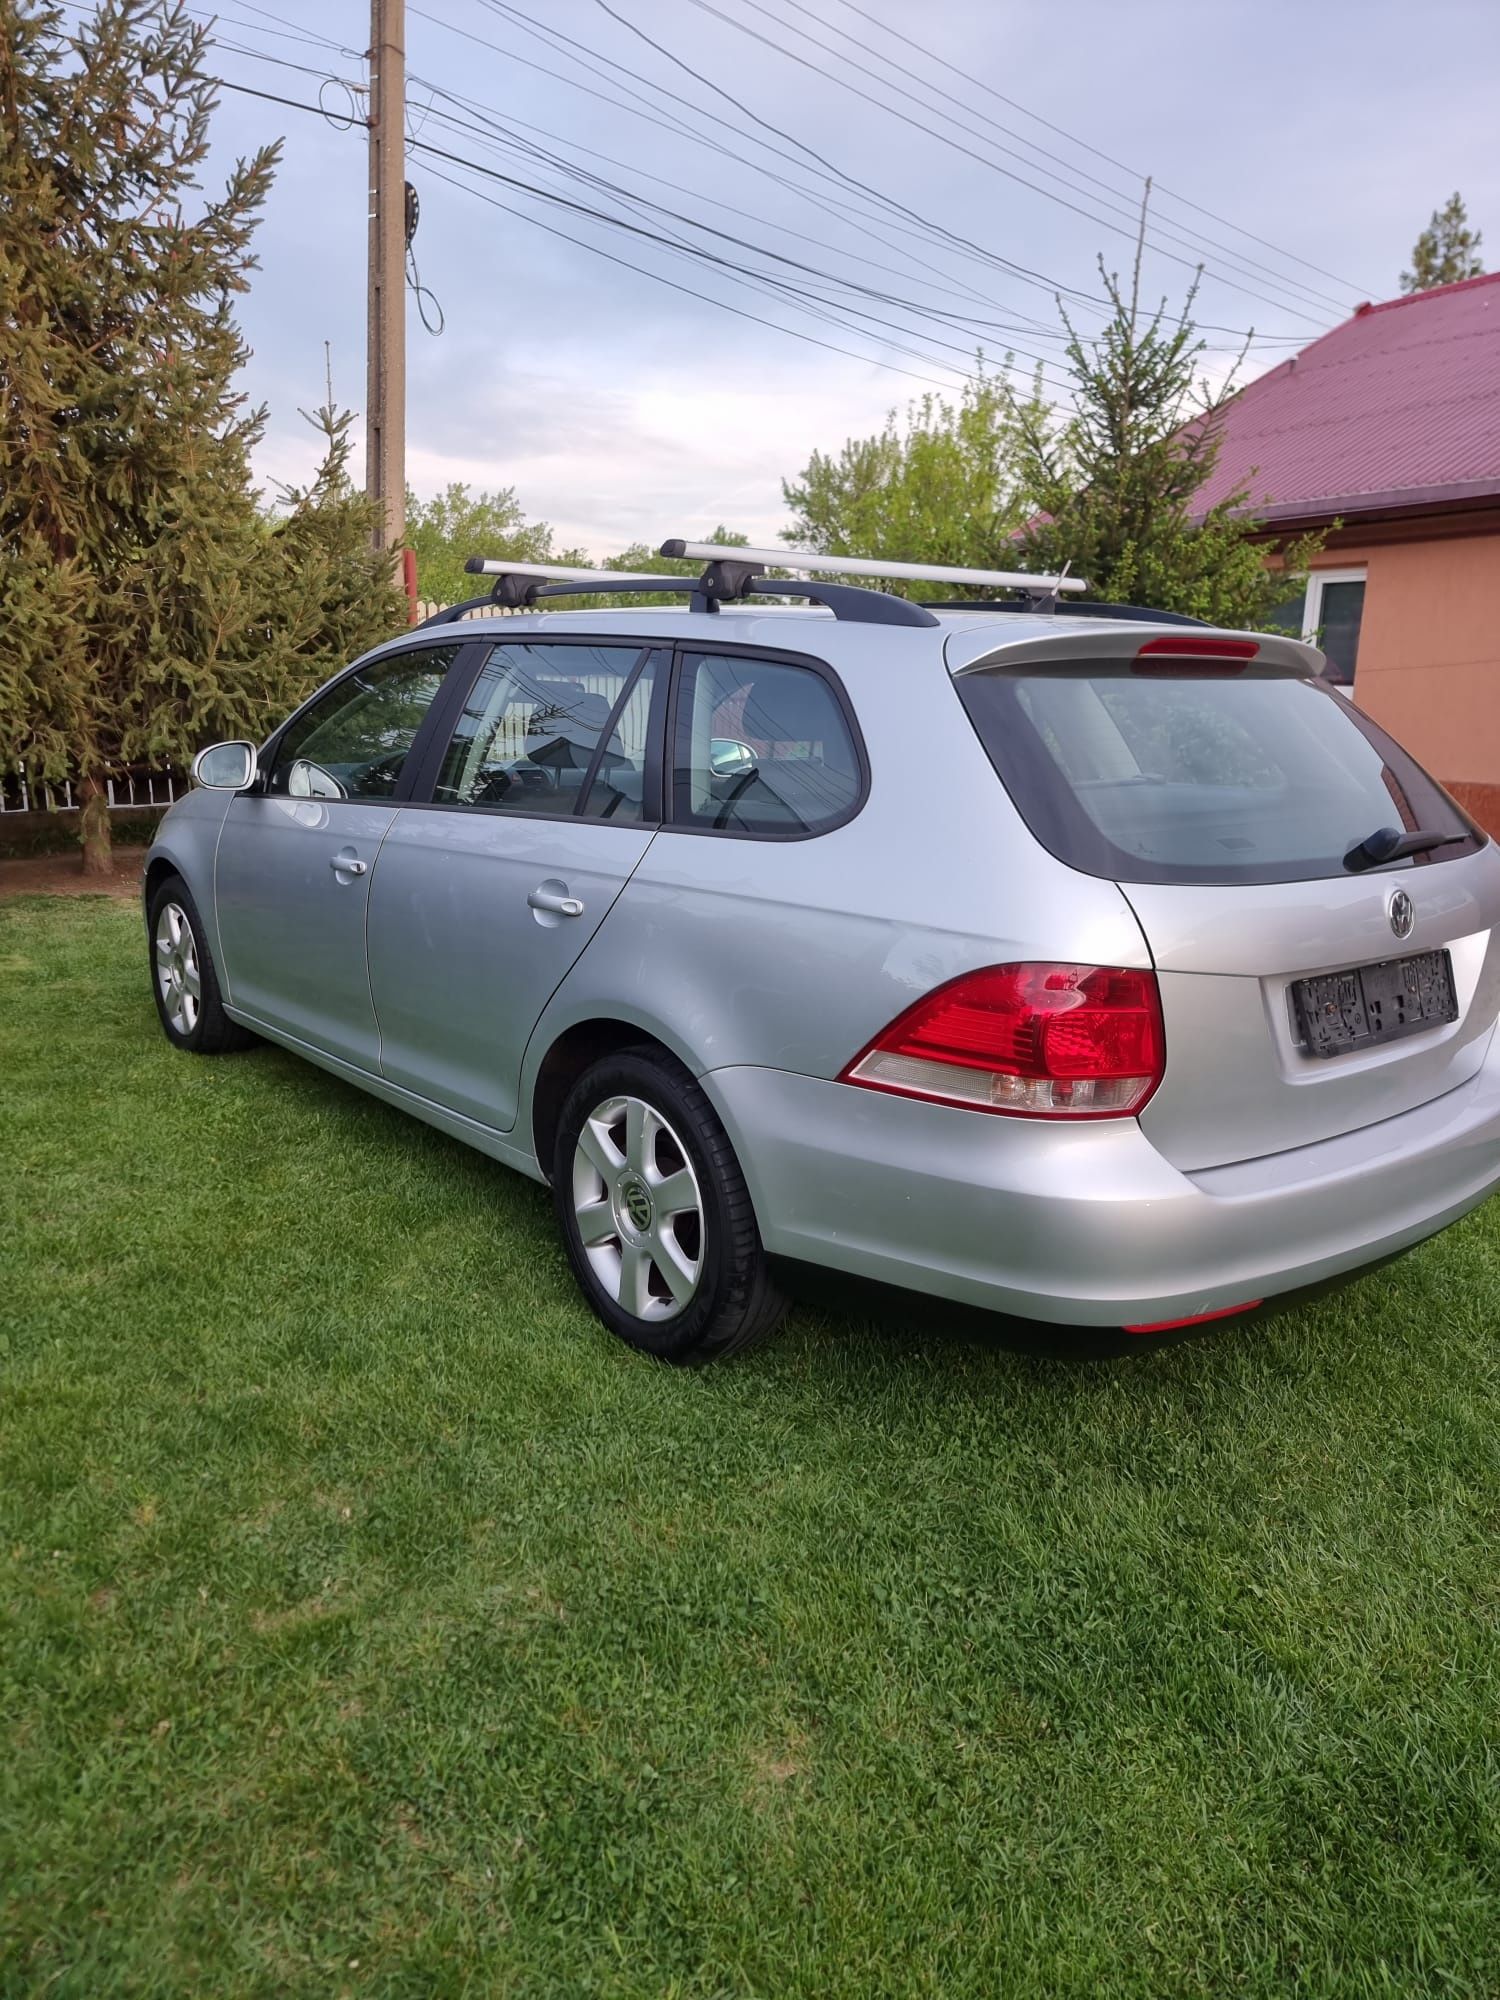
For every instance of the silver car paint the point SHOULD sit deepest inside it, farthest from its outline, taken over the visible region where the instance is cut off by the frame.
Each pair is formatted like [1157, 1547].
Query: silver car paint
[292, 920]
[766, 965]
[1237, 1084]
[460, 962]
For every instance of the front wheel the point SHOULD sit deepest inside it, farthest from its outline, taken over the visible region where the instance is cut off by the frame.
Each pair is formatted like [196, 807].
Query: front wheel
[655, 1213]
[184, 979]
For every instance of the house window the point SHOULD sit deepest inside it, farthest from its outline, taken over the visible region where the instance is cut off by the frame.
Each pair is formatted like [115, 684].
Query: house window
[1327, 614]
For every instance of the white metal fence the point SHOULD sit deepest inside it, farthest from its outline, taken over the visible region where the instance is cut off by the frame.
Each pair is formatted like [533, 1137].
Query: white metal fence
[137, 790]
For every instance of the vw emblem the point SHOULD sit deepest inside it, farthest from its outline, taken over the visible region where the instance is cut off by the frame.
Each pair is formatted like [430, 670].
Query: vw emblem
[1403, 914]
[635, 1203]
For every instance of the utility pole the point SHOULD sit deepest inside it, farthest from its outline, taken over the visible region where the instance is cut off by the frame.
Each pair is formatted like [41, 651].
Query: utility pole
[385, 395]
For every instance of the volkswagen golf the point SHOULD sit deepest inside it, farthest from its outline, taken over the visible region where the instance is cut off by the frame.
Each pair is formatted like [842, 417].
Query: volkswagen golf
[1085, 963]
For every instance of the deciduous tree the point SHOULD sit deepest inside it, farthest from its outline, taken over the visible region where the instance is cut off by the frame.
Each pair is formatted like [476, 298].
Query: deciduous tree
[939, 484]
[458, 523]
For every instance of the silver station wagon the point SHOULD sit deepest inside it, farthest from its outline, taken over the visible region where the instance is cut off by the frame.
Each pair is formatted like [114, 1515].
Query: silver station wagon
[1088, 964]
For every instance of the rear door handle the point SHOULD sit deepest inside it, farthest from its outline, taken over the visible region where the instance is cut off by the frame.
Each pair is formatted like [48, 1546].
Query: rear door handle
[345, 864]
[556, 901]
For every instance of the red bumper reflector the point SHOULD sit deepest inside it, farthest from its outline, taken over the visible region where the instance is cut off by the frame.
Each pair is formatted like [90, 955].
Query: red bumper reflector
[1196, 1319]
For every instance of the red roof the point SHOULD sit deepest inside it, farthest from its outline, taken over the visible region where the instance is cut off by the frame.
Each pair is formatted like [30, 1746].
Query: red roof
[1398, 407]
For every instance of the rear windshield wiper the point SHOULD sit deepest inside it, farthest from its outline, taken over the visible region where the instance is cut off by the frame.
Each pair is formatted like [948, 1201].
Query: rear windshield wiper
[1388, 843]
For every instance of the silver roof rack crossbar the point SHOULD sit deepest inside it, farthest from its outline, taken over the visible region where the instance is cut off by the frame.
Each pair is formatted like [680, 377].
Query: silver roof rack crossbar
[732, 575]
[816, 565]
[521, 586]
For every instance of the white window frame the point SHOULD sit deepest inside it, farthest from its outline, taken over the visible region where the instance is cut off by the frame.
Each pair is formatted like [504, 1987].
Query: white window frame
[1312, 607]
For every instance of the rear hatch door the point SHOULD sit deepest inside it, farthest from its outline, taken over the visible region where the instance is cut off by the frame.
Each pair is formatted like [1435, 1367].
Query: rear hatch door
[1244, 1077]
[1223, 792]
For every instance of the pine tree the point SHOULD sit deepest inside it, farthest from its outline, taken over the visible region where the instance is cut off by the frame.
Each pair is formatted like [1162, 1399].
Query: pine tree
[1115, 483]
[1446, 251]
[336, 594]
[148, 602]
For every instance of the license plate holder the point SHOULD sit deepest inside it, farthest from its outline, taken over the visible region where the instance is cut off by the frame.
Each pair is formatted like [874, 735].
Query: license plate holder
[1338, 1013]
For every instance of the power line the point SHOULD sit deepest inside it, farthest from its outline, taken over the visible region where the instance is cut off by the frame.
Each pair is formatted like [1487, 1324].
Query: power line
[960, 322]
[955, 145]
[1195, 240]
[284, 62]
[791, 293]
[800, 298]
[270, 96]
[723, 304]
[1074, 139]
[678, 129]
[577, 52]
[284, 29]
[723, 264]
[508, 130]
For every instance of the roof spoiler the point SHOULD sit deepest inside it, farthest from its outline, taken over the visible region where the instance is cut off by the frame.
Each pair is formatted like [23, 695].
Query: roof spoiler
[1163, 649]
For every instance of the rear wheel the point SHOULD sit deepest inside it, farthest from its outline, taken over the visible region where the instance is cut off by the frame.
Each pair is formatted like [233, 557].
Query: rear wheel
[655, 1213]
[184, 980]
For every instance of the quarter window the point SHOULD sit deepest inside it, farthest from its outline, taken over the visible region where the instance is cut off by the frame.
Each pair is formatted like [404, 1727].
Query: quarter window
[354, 741]
[763, 747]
[552, 729]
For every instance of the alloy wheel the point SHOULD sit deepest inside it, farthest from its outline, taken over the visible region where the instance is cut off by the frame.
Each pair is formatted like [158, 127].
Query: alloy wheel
[177, 977]
[638, 1208]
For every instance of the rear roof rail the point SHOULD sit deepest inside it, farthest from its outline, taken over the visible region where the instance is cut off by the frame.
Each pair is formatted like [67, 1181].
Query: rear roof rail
[1090, 608]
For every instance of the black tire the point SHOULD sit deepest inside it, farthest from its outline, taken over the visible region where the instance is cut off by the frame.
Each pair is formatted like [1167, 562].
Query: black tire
[734, 1301]
[210, 1032]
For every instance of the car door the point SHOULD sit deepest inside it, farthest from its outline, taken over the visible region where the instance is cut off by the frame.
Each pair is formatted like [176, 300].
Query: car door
[534, 814]
[292, 873]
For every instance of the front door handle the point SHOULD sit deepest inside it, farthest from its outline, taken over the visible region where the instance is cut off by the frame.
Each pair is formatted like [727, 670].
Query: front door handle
[555, 900]
[345, 864]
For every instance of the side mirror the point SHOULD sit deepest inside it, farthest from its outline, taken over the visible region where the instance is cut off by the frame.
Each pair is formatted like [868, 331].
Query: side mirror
[730, 759]
[226, 767]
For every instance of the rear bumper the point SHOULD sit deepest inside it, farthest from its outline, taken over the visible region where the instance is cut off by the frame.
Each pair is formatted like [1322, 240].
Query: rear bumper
[1088, 1224]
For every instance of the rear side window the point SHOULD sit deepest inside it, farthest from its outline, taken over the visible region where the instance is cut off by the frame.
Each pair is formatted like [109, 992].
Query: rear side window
[1211, 778]
[763, 748]
[552, 730]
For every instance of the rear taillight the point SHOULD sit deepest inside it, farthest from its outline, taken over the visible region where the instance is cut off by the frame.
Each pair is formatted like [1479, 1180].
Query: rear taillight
[1037, 1041]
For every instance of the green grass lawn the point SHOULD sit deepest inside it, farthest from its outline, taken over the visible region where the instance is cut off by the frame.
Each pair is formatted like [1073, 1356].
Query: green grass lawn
[372, 1623]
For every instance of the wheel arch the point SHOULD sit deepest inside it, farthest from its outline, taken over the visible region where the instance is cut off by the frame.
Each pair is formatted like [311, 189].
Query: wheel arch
[567, 1056]
[158, 868]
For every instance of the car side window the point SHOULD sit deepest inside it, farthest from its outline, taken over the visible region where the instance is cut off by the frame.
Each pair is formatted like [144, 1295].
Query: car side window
[354, 741]
[763, 747]
[553, 729]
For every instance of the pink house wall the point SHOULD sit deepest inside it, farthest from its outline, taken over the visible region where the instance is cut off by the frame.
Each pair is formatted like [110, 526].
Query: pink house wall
[1429, 656]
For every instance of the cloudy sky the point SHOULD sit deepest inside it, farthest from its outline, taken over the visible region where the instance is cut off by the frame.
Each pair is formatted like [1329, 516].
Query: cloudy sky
[620, 408]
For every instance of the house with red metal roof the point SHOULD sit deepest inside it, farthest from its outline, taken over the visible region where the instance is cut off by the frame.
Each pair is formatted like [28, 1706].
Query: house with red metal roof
[1390, 425]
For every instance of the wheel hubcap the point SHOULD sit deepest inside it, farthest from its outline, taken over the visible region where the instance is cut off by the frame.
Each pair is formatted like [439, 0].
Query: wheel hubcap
[639, 1211]
[177, 976]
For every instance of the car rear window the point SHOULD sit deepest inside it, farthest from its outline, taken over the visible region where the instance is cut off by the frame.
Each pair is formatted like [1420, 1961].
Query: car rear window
[1200, 778]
